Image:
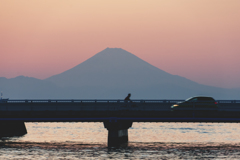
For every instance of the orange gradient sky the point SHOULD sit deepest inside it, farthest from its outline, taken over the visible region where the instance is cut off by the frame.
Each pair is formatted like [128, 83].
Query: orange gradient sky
[196, 39]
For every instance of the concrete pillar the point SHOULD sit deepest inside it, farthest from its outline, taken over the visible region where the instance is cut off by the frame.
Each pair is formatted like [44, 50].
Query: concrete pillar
[117, 132]
[10, 129]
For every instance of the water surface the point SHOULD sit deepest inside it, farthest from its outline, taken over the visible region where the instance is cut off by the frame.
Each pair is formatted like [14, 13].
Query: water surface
[146, 141]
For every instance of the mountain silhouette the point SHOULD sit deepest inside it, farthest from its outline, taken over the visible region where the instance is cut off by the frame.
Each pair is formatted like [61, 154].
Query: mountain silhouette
[114, 72]
[27, 87]
[111, 74]
[110, 68]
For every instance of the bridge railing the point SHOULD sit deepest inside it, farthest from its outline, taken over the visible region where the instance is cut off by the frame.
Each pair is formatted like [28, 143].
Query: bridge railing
[100, 101]
[102, 105]
[228, 101]
[86, 101]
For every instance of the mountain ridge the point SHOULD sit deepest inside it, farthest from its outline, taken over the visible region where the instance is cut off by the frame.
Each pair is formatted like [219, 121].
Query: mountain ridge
[109, 63]
[112, 74]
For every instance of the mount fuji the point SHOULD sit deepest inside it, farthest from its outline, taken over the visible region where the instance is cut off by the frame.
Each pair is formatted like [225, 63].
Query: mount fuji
[111, 74]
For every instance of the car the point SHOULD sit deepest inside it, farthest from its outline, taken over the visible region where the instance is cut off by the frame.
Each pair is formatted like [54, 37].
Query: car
[196, 103]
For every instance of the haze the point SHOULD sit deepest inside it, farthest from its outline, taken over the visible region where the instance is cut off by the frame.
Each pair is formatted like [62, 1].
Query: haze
[196, 39]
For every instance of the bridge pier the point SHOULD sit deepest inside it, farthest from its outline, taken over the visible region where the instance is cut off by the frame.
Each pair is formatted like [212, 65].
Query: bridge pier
[117, 132]
[10, 129]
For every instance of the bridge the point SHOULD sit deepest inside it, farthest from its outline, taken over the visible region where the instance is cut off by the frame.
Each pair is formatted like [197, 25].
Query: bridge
[116, 115]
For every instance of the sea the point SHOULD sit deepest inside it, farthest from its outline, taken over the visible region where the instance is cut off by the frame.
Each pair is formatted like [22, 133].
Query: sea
[50, 141]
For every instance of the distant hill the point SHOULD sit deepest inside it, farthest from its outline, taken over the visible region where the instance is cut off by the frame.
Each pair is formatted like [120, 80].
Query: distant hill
[27, 87]
[112, 73]
[110, 68]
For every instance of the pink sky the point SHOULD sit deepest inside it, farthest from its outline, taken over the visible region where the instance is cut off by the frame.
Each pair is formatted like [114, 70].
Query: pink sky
[199, 39]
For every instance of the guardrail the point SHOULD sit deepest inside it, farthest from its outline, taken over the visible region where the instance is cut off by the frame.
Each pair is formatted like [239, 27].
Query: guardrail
[100, 101]
[86, 101]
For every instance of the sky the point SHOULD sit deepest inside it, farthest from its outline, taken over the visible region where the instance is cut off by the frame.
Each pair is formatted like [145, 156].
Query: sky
[199, 39]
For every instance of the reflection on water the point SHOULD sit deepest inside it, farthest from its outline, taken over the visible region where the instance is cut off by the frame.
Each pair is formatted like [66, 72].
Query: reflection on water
[43, 150]
[147, 141]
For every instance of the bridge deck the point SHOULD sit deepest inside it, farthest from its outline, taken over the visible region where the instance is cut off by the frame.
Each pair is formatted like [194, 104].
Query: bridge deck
[117, 110]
